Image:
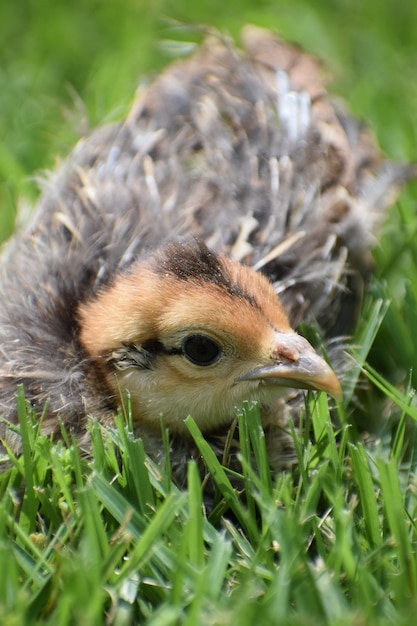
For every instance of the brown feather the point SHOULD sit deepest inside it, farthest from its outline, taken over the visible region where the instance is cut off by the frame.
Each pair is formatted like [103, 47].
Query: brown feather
[240, 149]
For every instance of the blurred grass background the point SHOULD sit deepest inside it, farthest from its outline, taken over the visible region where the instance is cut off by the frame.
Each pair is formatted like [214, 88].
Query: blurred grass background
[66, 66]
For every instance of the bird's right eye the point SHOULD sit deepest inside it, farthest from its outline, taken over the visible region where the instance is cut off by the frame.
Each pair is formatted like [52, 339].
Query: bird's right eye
[200, 349]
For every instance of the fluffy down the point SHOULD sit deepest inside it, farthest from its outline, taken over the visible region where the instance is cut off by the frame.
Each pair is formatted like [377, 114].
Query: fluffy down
[242, 150]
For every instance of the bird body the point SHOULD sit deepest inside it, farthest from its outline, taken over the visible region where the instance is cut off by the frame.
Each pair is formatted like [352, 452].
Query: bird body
[172, 254]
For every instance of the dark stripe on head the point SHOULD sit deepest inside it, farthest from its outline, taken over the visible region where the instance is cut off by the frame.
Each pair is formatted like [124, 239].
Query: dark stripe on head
[197, 263]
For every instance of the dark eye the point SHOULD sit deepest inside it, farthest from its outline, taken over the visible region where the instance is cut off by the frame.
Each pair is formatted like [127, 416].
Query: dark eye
[200, 350]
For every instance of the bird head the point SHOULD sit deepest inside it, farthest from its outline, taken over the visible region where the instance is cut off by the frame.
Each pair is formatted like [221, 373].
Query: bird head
[190, 332]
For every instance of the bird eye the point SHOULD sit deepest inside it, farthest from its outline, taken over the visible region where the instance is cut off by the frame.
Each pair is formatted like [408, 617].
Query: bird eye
[200, 350]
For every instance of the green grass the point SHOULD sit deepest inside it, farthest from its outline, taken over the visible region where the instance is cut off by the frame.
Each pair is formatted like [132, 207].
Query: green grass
[109, 539]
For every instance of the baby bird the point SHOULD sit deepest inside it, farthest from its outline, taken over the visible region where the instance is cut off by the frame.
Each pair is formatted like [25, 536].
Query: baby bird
[173, 253]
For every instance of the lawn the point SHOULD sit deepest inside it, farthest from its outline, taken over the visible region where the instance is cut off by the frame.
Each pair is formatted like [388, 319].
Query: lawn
[109, 539]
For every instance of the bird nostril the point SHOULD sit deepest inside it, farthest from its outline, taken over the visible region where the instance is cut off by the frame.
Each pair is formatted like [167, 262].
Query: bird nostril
[286, 353]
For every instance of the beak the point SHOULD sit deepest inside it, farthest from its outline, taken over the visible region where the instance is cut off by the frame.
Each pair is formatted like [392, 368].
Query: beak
[297, 365]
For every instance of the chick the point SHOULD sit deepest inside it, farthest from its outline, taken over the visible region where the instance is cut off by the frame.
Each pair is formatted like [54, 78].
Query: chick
[173, 253]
